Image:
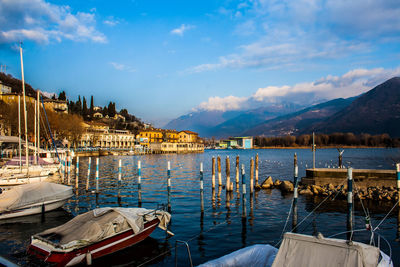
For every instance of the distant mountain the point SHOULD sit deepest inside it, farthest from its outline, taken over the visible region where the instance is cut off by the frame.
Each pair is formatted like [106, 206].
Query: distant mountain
[201, 121]
[251, 118]
[293, 123]
[221, 124]
[375, 112]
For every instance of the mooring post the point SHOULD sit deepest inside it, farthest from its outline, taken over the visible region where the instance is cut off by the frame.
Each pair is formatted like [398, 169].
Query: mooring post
[228, 174]
[349, 203]
[119, 171]
[219, 171]
[97, 175]
[398, 195]
[213, 173]
[201, 188]
[88, 174]
[243, 193]
[313, 150]
[237, 173]
[69, 169]
[77, 173]
[257, 185]
[251, 176]
[169, 185]
[295, 192]
[139, 183]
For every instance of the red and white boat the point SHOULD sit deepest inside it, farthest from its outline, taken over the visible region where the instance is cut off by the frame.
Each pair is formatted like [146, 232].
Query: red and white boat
[96, 233]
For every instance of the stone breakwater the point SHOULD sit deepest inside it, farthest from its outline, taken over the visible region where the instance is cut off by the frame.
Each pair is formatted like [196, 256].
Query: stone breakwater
[375, 193]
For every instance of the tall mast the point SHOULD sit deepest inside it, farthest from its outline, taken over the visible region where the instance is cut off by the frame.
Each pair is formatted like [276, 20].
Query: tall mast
[19, 132]
[38, 122]
[35, 140]
[26, 124]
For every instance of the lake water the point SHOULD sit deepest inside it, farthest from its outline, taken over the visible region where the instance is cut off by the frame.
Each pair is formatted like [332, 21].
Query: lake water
[221, 229]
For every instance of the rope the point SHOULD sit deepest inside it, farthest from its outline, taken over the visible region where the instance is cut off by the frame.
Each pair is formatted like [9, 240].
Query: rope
[287, 219]
[384, 218]
[309, 214]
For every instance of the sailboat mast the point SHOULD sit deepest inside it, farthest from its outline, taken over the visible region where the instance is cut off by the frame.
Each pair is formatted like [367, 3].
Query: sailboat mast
[26, 124]
[35, 141]
[19, 132]
[38, 123]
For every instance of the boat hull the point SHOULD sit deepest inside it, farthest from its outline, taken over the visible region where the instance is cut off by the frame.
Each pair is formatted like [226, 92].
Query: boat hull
[45, 252]
[34, 209]
[20, 180]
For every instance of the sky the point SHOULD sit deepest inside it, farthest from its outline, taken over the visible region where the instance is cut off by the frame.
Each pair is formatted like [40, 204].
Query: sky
[163, 59]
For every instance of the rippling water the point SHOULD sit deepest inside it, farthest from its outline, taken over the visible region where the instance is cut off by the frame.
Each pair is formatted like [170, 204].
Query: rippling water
[221, 229]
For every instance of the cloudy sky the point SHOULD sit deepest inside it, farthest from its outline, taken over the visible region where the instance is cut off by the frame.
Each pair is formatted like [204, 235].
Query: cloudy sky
[162, 59]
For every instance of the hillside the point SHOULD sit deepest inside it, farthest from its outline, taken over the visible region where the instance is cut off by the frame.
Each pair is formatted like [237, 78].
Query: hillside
[375, 112]
[292, 124]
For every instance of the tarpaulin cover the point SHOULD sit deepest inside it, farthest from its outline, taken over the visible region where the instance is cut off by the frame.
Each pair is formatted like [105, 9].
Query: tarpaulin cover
[256, 255]
[35, 193]
[304, 250]
[98, 224]
[31, 159]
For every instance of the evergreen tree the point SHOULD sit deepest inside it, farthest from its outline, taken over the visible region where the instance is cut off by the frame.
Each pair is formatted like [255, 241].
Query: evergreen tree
[78, 106]
[111, 109]
[105, 111]
[84, 109]
[91, 111]
[62, 96]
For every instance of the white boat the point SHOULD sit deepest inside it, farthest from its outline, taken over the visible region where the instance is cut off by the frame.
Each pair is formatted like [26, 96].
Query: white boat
[304, 250]
[11, 180]
[33, 198]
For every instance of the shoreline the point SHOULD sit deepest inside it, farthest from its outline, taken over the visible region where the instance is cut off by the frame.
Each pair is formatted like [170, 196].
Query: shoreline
[319, 147]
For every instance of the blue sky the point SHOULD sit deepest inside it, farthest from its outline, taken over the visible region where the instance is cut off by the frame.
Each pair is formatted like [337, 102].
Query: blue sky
[162, 59]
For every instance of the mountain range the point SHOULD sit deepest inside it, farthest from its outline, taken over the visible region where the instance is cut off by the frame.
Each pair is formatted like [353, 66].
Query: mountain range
[376, 111]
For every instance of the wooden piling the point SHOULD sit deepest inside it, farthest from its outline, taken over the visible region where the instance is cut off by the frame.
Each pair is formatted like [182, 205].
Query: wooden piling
[349, 203]
[244, 215]
[257, 185]
[251, 176]
[201, 188]
[77, 173]
[69, 169]
[295, 193]
[169, 185]
[237, 173]
[139, 183]
[213, 173]
[228, 174]
[97, 175]
[119, 171]
[219, 171]
[88, 174]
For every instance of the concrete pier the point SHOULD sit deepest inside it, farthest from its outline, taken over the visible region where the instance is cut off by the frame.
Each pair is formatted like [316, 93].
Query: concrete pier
[363, 177]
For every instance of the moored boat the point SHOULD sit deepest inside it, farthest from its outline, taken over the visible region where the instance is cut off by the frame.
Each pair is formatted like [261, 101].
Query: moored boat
[96, 233]
[33, 198]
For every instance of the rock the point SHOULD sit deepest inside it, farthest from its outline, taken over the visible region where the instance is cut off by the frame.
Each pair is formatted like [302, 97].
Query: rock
[331, 187]
[277, 183]
[306, 192]
[286, 186]
[317, 189]
[268, 183]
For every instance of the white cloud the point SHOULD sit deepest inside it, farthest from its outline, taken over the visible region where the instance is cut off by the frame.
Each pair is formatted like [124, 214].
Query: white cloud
[122, 67]
[111, 21]
[183, 28]
[41, 22]
[296, 33]
[352, 83]
[223, 103]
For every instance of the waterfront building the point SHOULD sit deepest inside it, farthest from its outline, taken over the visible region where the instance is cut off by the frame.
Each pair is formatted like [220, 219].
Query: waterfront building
[188, 137]
[59, 106]
[4, 89]
[237, 142]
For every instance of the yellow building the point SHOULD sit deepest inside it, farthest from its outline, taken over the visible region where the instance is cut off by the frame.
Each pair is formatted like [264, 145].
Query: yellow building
[171, 136]
[188, 137]
[56, 105]
[13, 98]
[150, 135]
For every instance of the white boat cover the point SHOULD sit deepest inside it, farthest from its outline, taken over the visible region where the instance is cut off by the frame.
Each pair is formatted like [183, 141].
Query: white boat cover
[98, 224]
[256, 255]
[304, 250]
[29, 194]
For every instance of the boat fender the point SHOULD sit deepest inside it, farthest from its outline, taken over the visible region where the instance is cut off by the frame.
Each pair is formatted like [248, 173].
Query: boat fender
[88, 258]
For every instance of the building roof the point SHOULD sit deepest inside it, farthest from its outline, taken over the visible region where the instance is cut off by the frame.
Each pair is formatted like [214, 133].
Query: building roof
[188, 132]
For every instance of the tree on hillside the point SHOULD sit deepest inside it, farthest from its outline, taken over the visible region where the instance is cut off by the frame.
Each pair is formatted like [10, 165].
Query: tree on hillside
[78, 106]
[111, 109]
[62, 96]
[91, 110]
[105, 111]
[84, 109]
